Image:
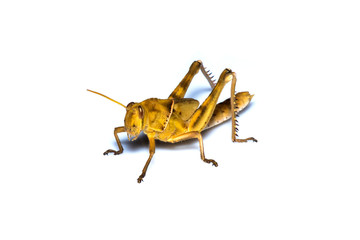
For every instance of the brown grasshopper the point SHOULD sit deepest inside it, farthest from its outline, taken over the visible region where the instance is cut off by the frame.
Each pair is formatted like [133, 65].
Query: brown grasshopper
[178, 119]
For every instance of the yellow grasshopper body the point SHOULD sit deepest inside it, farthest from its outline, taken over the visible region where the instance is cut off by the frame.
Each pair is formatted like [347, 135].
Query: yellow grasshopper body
[178, 119]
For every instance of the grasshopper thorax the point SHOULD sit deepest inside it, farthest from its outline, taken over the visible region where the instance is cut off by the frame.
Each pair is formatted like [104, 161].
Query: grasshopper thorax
[134, 120]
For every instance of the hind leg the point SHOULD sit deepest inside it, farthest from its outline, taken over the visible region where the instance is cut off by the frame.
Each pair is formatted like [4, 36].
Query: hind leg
[234, 124]
[203, 114]
[181, 89]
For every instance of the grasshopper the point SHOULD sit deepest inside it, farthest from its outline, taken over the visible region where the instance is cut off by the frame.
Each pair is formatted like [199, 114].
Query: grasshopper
[178, 119]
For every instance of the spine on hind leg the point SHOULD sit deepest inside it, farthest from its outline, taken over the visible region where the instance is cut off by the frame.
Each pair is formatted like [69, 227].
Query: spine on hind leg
[222, 110]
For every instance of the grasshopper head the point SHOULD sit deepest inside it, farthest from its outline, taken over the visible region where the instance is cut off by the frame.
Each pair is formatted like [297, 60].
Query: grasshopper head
[134, 120]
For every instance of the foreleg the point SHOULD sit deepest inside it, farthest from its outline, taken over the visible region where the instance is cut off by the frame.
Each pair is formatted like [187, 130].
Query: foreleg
[151, 151]
[116, 131]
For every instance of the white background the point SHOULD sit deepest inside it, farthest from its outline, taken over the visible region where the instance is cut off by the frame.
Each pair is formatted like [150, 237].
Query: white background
[299, 58]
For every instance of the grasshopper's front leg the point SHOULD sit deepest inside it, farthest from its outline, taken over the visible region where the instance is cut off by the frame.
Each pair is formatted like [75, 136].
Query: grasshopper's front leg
[121, 149]
[151, 151]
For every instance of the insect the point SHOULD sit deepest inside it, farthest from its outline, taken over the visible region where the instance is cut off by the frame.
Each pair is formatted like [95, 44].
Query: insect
[178, 119]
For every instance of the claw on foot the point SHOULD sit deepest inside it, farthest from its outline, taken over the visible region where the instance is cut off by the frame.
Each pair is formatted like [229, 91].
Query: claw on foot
[214, 163]
[140, 179]
[113, 151]
[246, 139]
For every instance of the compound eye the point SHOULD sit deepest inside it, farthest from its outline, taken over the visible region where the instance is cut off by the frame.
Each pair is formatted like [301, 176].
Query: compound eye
[141, 112]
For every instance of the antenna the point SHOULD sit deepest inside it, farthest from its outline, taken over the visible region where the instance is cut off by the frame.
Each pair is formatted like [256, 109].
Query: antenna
[107, 98]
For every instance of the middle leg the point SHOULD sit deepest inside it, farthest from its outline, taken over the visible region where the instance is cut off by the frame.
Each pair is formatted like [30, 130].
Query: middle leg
[190, 135]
